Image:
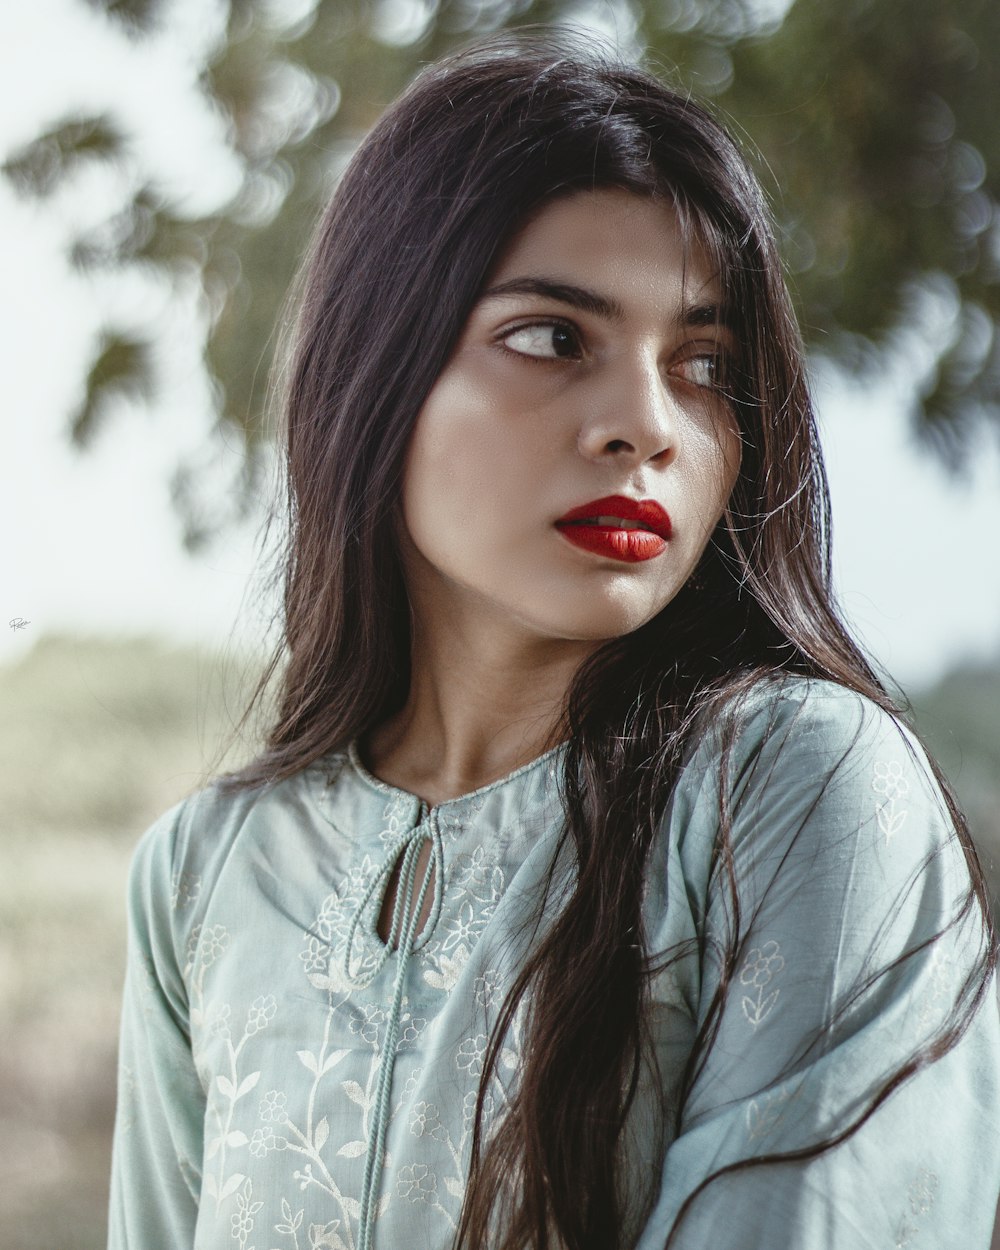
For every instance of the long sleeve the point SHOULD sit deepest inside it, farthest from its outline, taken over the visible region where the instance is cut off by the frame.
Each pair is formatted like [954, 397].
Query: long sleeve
[158, 1129]
[854, 958]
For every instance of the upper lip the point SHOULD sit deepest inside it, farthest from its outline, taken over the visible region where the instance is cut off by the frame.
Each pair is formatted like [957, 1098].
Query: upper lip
[646, 511]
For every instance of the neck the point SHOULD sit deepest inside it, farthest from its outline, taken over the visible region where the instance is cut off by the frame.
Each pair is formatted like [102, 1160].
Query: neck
[477, 709]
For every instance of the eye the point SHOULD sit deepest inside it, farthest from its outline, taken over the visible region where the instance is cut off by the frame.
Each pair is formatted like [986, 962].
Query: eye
[702, 368]
[544, 340]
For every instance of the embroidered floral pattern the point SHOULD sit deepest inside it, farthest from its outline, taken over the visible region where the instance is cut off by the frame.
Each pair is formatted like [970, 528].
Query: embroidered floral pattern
[762, 965]
[892, 786]
[416, 1182]
[325, 945]
[919, 1201]
[242, 1219]
[937, 995]
[765, 1114]
[489, 988]
[185, 888]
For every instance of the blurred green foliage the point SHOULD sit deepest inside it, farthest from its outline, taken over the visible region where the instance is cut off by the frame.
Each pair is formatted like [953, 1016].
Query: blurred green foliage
[872, 123]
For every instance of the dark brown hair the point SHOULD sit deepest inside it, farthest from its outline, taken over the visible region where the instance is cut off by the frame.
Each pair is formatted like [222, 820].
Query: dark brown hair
[434, 193]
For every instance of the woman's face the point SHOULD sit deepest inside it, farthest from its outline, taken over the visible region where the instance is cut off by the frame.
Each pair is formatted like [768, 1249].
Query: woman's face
[575, 454]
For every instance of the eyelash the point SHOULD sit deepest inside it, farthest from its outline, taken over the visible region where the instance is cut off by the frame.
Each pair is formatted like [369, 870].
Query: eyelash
[716, 358]
[544, 324]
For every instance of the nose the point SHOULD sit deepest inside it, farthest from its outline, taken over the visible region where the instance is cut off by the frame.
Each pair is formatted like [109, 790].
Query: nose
[634, 417]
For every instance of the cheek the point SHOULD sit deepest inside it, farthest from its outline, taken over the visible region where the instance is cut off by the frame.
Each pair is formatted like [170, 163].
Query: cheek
[714, 462]
[476, 440]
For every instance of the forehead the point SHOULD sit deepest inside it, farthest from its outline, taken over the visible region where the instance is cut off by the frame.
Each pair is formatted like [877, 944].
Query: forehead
[616, 239]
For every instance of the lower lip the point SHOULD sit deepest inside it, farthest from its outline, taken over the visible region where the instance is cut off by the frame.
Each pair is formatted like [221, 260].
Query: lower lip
[629, 546]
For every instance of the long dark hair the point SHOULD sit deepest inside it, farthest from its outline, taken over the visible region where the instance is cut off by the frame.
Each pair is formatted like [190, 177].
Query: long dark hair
[434, 193]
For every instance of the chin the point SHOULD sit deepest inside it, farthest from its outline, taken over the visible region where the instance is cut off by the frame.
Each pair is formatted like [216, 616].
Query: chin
[595, 626]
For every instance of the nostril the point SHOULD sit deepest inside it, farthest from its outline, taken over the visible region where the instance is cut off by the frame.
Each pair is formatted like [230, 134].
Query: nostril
[619, 444]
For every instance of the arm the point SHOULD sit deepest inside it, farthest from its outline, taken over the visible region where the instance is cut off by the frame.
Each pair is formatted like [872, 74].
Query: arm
[851, 963]
[156, 1169]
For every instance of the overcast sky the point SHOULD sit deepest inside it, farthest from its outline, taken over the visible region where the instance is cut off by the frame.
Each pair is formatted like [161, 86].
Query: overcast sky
[89, 541]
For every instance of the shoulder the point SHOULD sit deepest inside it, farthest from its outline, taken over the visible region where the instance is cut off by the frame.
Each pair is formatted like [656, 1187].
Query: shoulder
[179, 859]
[813, 770]
[816, 734]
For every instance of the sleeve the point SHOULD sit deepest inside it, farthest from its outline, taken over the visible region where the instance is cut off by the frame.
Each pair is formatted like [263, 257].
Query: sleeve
[156, 1162]
[857, 952]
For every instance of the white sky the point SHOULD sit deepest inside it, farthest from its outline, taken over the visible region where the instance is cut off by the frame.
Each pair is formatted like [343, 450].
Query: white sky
[89, 540]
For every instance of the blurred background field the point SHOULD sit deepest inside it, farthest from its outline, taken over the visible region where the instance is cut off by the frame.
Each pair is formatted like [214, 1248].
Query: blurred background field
[161, 163]
[98, 737]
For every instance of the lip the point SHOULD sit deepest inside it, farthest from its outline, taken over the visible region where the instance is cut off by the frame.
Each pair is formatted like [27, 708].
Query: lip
[592, 527]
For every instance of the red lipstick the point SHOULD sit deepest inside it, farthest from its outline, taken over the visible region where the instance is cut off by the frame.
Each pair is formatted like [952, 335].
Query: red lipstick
[619, 527]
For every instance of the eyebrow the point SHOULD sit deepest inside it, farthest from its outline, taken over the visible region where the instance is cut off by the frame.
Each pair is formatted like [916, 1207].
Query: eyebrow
[600, 305]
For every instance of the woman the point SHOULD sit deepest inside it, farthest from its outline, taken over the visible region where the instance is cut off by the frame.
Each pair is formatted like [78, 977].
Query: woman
[588, 891]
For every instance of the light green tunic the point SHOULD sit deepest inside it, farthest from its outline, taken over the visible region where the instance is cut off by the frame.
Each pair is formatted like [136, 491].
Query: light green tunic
[257, 1070]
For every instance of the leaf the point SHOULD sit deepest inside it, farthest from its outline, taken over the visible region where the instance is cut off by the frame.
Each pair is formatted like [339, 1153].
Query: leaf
[247, 1084]
[352, 1207]
[454, 1186]
[40, 166]
[121, 370]
[231, 1185]
[236, 1138]
[332, 1060]
[225, 1086]
[356, 1094]
[309, 1061]
[351, 1149]
[138, 17]
[214, 1147]
[322, 1133]
[211, 1185]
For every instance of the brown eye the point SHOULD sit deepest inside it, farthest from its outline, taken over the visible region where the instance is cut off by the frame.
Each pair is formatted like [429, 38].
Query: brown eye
[550, 340]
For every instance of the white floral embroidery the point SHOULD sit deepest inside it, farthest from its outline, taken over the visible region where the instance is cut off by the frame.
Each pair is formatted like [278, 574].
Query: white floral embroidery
[367, 1023]
[325, 1236]
[261, 1014]
[940, 990]
[324, 945]
[242, 1219]
[416, 1182]
[463, 928]
[185, 888]
[489, 988]
[469, 1109]
[765, 1114]
[395, 819]
[892, 786]
[204, 947]
[265, 1140]
[218, 1024]
[289, 1224]
[919, 1200]
[443, 970]
[411, 1028]
[471, 1054]
[315, 1133]
[273, 1107]
[762, 965]
[427, 1120]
